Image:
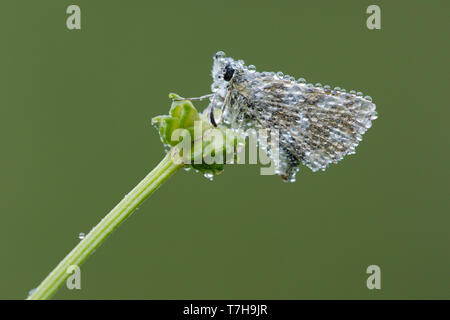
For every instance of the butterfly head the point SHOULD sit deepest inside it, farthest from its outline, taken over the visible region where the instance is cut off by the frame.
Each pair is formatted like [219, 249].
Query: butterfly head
[225, 69]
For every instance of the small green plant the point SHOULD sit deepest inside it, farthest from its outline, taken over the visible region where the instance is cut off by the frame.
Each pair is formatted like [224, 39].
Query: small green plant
[182, 116]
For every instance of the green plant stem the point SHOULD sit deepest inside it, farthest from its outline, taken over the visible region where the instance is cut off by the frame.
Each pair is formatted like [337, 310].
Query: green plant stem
[105, 227]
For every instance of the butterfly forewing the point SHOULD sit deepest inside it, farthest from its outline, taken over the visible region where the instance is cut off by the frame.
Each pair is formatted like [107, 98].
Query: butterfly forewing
[317, 126]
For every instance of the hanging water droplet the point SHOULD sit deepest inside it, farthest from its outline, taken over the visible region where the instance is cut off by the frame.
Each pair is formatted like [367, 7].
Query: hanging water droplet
[81, 236]
[209, 176]
[187, 168]
[31, 291]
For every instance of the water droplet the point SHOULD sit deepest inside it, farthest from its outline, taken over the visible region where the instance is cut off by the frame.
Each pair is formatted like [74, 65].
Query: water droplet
[289, 78]
[368, 98]
[81, 236]
[337, 88]
[319, 85]
[251, 68]
[280, 74]
[219, 54]
[301, 80]
[31, 291]
[374, 116]
[214, 87]
[209, 176]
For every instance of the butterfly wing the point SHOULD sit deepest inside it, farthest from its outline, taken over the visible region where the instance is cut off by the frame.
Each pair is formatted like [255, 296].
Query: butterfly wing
[317, 125]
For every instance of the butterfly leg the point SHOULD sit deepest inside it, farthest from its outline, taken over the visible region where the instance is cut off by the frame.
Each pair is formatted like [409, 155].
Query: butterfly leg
[211, 111]
[225, 102]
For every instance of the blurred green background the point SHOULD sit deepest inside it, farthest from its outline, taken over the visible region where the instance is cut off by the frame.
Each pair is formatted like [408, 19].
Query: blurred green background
[76, 136]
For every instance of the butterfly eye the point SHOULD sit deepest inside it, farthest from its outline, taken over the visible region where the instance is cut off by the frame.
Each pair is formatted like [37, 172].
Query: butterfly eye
[228, 72]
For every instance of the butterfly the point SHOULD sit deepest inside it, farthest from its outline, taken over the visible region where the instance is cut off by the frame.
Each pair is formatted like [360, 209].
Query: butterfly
[317, 125]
